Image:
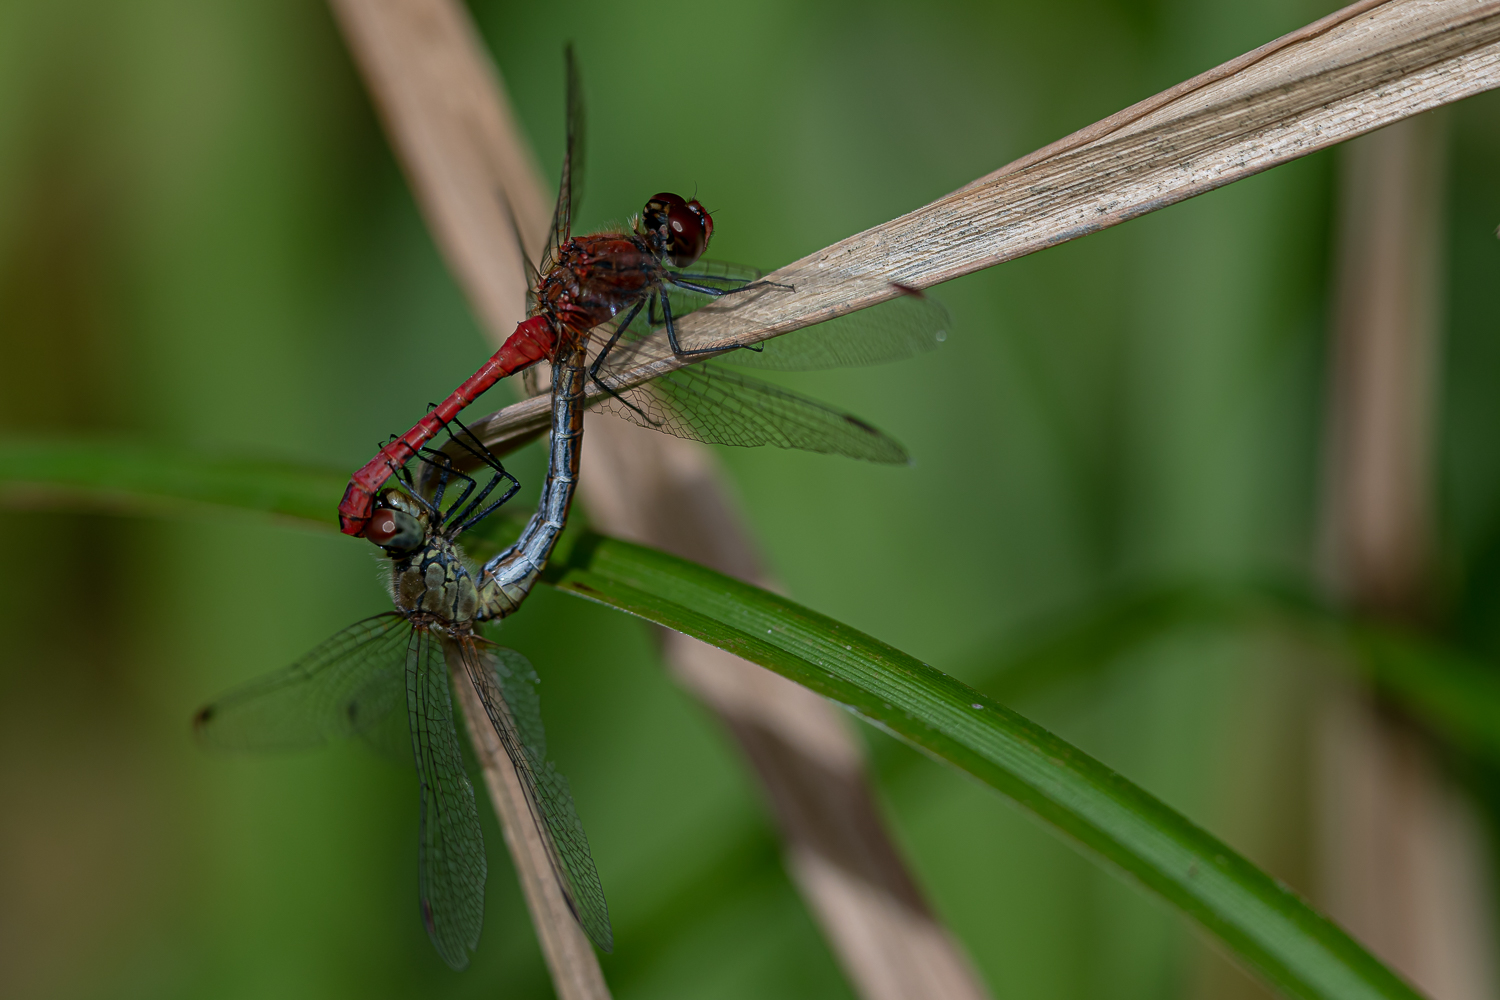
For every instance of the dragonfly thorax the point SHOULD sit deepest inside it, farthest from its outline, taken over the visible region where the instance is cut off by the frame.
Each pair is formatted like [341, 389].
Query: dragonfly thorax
[428, 575]
[596, 277]
[433, 580]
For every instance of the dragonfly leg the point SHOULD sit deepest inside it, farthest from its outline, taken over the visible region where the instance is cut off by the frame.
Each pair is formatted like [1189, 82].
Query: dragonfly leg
[532, 341]
[666, 315]
[713, 277]
[443, 462]
[717, 293]
[446, 470]
[599, 359]
[744, 283]
[466, 517]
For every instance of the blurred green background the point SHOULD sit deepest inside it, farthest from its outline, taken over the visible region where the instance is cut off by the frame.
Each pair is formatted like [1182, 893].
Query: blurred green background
[204, 240]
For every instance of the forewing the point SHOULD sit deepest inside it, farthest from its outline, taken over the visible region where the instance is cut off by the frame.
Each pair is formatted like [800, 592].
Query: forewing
[351, 685]
[717, 275]
[704, 402]
[506, 684]
[570, 185]
[718, 272]
[450, 851]
[910, 324]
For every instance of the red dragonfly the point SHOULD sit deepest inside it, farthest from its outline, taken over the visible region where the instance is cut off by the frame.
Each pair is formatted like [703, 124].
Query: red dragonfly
[625, 283]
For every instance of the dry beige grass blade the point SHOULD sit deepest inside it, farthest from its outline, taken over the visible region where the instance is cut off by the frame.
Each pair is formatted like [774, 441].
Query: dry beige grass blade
[433, 80]
[1356, 70]
[1403, 860]
[666, 492]
[437, 92]
[570, 956]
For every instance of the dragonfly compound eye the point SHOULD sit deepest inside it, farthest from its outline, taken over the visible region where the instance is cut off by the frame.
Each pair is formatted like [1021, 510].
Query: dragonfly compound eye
[678, 228]
[394, 530]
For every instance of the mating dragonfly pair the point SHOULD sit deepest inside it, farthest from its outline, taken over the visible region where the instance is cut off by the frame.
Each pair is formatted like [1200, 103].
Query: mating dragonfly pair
[592, 299]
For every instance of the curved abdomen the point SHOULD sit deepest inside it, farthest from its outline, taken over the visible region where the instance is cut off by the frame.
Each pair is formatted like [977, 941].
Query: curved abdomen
[509, 576]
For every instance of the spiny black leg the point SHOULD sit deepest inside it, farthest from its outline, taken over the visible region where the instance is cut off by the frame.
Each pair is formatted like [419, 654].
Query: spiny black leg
[719, 293]
[444, 463]
[461, 514]
[477, 449]
[677, 349]
[464, 517]
[398, 471]
[467, 517]
[604, 353]
[712, 277]
[609, 345]
[472, 519]
[442, 474]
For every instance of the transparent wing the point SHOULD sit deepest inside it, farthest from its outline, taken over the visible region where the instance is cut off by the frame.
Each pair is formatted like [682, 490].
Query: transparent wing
[450, 849]
[506, 684]
[351, 685]
[570, 185]
[718, 275]
[704, 402]
[910, 324]
[901, 328]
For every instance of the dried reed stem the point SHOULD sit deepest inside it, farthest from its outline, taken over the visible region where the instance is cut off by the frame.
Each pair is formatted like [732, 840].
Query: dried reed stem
[1356, 70]
[569, 954]
[1403, 861]
[444, 105]
[666, 492]
[433, 84]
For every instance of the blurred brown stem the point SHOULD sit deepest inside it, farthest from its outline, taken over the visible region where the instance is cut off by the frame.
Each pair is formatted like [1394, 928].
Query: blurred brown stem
[569, 955]
[445, 108]
[423, 61]
[1402, 862]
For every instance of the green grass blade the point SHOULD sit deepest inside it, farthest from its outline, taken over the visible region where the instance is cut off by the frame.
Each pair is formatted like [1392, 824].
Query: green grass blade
[1452, 692]
[139, 478]
[1263, 923]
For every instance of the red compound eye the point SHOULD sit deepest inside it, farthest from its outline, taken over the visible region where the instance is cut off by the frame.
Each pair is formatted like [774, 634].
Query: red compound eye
[394, 530]
[679, 228]
[705, 220]
[382, 527]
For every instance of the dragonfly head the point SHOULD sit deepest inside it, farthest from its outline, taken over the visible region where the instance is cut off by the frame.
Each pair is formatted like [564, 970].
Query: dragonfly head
[677, 228]
[399, 524]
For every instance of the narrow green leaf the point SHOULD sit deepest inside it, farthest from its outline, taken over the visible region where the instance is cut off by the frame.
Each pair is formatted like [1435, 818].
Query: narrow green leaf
[133, 477]
[1453, 692]
[1262, 922]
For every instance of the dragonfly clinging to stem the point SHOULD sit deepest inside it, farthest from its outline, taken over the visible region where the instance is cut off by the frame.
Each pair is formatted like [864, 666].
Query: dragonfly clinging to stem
[386, 679]
[622, 284]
